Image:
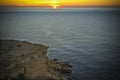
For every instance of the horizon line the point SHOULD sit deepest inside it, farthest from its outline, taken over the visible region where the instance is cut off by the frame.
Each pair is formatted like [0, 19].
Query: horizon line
[65, 6]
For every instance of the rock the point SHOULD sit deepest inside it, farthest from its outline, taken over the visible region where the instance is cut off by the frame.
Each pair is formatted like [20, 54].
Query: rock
[66, 64]
[21, 60]
[60, 67]
[55, 59]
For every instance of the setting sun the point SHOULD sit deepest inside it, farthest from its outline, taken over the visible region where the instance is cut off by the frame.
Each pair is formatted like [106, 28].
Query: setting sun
[54, 4]
[54, 7]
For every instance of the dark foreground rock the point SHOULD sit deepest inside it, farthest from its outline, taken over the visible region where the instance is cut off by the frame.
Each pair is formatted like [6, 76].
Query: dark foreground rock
[21, 60]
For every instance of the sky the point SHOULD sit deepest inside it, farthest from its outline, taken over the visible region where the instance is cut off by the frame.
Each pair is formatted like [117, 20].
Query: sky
[60, 3]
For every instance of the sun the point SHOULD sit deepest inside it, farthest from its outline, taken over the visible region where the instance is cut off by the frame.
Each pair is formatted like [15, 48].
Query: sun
[54, 4]
[54, 7]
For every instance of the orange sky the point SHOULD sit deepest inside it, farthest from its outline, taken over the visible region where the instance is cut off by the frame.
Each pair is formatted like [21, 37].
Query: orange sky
[56, 3]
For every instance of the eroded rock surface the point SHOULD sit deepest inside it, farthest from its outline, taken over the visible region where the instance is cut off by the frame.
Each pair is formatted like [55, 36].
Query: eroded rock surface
[22, 60]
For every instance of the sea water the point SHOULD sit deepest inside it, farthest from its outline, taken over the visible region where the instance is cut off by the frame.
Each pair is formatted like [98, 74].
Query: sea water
[86, 38]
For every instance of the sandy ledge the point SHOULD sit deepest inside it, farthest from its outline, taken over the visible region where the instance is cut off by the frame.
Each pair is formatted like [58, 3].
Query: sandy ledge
[21, 60]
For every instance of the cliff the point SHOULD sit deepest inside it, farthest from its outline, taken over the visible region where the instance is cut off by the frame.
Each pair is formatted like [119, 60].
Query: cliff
[21, 60]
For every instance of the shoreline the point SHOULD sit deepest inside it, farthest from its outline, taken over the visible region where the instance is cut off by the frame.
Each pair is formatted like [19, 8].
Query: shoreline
[22, 60]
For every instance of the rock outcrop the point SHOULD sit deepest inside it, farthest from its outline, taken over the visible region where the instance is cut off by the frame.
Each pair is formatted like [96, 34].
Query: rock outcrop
[21, 60]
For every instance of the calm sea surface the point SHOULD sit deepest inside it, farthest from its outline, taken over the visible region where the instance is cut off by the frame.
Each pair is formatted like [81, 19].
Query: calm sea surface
[89, 39]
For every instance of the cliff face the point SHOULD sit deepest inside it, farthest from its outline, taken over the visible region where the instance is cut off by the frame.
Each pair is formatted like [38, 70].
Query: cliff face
[23, 60]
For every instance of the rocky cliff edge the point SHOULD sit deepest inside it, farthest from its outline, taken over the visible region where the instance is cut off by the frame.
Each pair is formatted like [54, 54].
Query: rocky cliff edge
[21, 60]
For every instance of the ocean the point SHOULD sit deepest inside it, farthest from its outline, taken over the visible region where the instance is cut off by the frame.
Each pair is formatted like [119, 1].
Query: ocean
[86, 38]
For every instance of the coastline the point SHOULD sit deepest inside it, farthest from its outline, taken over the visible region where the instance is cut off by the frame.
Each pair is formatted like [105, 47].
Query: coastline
[21, 60]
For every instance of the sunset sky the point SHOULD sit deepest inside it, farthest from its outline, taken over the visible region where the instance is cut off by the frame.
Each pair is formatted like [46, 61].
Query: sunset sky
[60, 3]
